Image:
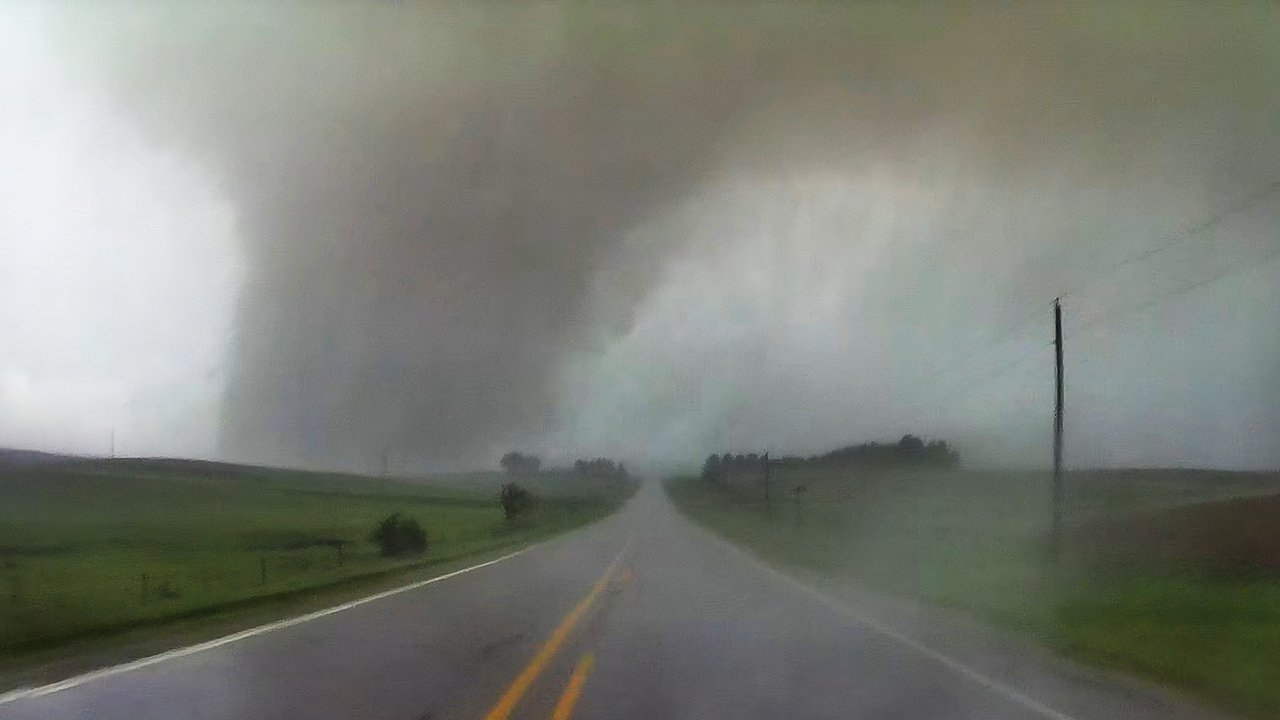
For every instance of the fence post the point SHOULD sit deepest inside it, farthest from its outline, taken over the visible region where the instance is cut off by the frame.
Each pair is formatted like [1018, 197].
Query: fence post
[15, 580]
[799, 495]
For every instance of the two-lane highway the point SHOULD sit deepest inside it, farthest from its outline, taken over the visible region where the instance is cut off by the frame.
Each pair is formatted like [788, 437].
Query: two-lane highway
[640, 616]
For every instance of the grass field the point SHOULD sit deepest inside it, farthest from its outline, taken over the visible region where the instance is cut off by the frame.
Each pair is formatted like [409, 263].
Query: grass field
[97, 547]
[1170, 574]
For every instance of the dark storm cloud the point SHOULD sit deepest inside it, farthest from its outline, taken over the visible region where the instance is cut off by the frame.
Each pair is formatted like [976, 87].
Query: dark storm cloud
[424, 196]
[468, 226]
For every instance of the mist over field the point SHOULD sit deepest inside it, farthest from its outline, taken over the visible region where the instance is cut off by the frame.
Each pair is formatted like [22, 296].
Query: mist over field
[309, 233]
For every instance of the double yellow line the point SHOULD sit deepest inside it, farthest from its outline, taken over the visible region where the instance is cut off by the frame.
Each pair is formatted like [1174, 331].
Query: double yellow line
[564, 708]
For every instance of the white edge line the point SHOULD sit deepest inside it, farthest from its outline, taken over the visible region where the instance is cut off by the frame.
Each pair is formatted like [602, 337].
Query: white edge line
[35, 692]
[1008, 691]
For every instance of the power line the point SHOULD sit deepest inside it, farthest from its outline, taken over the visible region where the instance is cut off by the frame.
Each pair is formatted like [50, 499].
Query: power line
[1026, 320]
[980, 382]
[986, 379]
[1181, 290]
[996, 339]
[1183, 234]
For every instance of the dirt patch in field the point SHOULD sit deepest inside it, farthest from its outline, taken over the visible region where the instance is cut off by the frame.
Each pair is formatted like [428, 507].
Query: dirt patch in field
[1233, 537]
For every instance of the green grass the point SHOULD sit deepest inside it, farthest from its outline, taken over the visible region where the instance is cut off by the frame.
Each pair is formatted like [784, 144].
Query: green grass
[977, 542]
[92, 548]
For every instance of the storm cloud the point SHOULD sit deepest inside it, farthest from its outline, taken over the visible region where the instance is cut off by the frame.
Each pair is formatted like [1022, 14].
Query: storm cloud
[652, 231]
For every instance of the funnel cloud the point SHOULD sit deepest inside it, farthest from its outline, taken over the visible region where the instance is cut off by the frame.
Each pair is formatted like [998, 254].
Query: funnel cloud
[657, 231]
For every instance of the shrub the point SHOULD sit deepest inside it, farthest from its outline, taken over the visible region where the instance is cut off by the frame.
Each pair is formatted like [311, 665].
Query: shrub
[398, 536]
[514, 499]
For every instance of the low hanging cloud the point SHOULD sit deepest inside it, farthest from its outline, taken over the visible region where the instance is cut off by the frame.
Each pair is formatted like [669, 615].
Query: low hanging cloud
[656, 231]
[118, 268]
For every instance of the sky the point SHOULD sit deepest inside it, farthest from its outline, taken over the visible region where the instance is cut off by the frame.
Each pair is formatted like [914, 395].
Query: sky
[310, 233]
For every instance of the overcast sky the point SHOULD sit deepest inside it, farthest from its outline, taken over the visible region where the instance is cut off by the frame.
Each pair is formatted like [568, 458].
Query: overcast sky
[307, 233]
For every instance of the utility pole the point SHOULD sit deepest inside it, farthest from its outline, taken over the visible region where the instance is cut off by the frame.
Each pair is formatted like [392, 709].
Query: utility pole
[1057, 431]
[768, 506]
[384, 461]
[113, 442]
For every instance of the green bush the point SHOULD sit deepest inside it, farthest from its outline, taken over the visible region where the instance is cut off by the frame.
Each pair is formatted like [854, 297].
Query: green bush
[398, 536]
[515, 500]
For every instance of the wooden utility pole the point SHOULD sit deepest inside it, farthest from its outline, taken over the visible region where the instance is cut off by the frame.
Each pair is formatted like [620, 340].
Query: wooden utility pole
[1057, 430]
[768, 506]
[113, 442]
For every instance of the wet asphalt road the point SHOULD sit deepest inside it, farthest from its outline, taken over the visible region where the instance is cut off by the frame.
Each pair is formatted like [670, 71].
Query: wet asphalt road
[645, 615]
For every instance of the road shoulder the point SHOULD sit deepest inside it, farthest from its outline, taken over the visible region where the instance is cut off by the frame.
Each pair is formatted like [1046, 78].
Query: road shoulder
[1051, 685]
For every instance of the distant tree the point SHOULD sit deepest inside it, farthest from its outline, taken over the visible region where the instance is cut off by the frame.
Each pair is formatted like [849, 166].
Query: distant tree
[511, 461]
[601, 468]
[938, 453]
[910, 446]
[711, 469]
[515, 463]
[397, 536]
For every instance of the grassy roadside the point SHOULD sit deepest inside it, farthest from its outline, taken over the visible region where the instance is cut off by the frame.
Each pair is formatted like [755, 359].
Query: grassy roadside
[102, 560]
[975, 544]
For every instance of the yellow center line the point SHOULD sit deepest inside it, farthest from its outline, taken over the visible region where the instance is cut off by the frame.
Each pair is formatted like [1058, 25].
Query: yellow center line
[521, 684]
[564, 708]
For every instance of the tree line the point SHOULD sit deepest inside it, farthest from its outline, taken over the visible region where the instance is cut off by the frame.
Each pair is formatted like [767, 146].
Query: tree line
[600, 467]
[516, 499]
[519, 464]
[910, 451]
